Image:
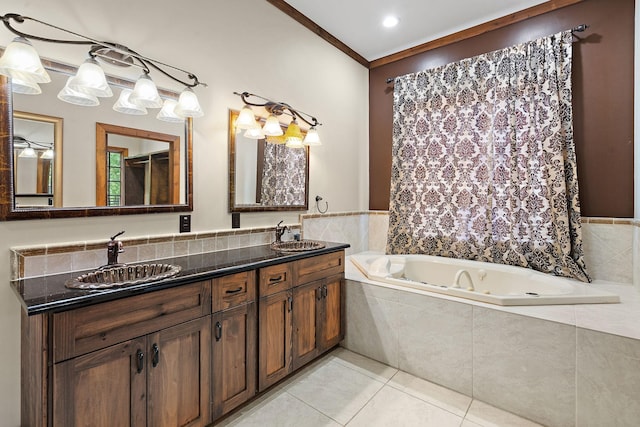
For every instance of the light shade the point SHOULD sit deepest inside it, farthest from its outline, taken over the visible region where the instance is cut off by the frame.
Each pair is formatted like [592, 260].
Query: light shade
[275, 139]
[293, 136]
[188, 105]
[124, 105]
[90, 79]
[312, 137]
[25, 87]
[254, 133]
[21, 61]
[28, 152]
[77, 98]
[47, 154]
[145, 93]
[246, 119]
[272, 126]
[167, 113]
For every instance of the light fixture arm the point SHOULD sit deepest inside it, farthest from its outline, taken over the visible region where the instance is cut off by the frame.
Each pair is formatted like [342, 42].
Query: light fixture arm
[97, 45]
[278, 108]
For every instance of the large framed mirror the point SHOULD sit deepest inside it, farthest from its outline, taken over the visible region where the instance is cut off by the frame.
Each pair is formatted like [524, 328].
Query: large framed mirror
[265, 176]
[72, 187]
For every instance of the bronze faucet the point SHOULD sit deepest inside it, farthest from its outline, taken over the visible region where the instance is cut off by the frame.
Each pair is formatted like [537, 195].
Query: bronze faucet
[114, 247]
[280, 231]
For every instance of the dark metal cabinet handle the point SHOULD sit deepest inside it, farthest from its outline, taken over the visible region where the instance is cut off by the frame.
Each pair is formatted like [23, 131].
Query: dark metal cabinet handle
[324, 291]
[275, 279]
[290, 299]
[319, 293]
[218, 331]
[234, 291]
[155, 359]
[139, 361]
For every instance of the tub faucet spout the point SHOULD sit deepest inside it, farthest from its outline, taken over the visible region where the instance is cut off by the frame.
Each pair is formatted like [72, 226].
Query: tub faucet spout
[459, 274]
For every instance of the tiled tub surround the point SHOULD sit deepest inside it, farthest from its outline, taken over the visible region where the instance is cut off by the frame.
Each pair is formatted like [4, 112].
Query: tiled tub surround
[556, 365]
[35, 261]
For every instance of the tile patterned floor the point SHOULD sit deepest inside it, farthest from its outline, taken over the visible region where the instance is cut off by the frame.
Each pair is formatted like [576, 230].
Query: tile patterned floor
[347, 389]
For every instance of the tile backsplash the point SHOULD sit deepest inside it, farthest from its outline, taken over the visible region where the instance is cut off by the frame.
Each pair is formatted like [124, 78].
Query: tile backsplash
[34, 261]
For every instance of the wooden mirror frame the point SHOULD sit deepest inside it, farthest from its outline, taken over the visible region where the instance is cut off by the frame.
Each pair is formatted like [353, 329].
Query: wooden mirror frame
[7, 208]
[233, 115]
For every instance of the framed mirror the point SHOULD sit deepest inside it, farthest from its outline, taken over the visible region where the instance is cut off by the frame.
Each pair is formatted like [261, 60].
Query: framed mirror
[77, 165]
[266, 176]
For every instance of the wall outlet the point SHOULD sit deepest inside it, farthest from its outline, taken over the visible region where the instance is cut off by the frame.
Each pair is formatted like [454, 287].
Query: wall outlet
[235, 220]
[185, 223]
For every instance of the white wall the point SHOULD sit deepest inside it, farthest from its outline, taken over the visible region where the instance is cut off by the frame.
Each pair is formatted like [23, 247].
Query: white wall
[233, 46]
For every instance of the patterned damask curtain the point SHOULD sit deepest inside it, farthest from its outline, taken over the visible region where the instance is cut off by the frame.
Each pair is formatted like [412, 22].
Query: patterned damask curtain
[283, 176]
[484, 163]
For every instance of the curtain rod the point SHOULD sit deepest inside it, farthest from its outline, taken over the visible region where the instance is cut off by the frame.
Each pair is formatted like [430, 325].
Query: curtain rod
[578, 29]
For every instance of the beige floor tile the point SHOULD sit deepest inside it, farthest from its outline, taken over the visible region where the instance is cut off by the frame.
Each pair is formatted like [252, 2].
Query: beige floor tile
[391, 407]
[490, 416]
[369, 367]
[439, 396]
[283, 410]
[335, 390]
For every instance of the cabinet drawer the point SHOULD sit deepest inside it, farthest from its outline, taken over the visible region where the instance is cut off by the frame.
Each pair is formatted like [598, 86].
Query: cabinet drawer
[310, 269]
[233, 290]
[275, 278]
[80, 331]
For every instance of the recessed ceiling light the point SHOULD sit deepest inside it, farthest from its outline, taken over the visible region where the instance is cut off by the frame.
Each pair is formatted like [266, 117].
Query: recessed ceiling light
[390, 21]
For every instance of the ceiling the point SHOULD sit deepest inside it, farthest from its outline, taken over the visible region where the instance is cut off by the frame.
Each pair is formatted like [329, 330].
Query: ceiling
[358, 23]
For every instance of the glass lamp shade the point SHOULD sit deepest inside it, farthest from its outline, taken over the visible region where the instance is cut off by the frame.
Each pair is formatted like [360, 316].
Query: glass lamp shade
[47, 154]
[246, 119]
[275, 139]
[77, 98]
[272, 126]
[90, 79]
[145, 93]
[28, 152]
[293, 136]
[312, 137]
[254, 133]
[21, 61]
[25, 87]
[167, 113]
[124, 105]
[188, 105]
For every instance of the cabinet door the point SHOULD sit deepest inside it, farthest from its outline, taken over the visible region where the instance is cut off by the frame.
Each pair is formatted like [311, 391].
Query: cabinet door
[332, 331]
[178, 369]
[307, 301]
[234, 357]
[103, 388]
[274, 345]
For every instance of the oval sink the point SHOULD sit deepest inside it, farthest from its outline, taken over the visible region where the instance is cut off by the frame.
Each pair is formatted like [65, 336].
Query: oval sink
[125, 275]
[297, 246]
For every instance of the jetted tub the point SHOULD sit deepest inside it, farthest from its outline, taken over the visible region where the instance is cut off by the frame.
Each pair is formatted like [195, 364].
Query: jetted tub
[480, 281]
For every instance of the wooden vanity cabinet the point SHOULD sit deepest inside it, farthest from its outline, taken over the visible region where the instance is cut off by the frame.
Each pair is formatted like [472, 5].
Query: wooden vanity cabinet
[233, 341]
[139, 361]
[302, 321]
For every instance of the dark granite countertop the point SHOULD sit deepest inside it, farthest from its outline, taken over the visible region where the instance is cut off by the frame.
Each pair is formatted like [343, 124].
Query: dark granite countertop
[49, 294]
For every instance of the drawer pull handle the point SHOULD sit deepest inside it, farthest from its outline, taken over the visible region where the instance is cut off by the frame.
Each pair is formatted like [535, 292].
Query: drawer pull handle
[139, 361]
[324, 291]
[234, 291]
[218, 331]
[275, 279]
[290, 299]
[155, 359]
[319, 293]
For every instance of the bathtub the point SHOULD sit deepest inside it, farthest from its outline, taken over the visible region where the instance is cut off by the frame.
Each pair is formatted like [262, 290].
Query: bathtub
[479, 281]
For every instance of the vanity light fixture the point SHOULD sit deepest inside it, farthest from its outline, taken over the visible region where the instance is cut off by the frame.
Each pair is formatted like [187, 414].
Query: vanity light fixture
[28, 152]
[168, 113]
[272, 129]
[21, 63]
[124, 105]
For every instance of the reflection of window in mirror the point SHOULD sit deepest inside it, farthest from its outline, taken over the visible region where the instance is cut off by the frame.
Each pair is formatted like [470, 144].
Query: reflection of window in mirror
[115, 161]
[37, 160]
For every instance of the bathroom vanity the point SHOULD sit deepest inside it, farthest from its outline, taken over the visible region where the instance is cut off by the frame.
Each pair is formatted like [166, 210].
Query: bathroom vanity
[183, 351]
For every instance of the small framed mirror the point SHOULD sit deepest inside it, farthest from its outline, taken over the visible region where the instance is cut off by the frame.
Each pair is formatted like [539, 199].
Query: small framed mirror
[266, 176]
